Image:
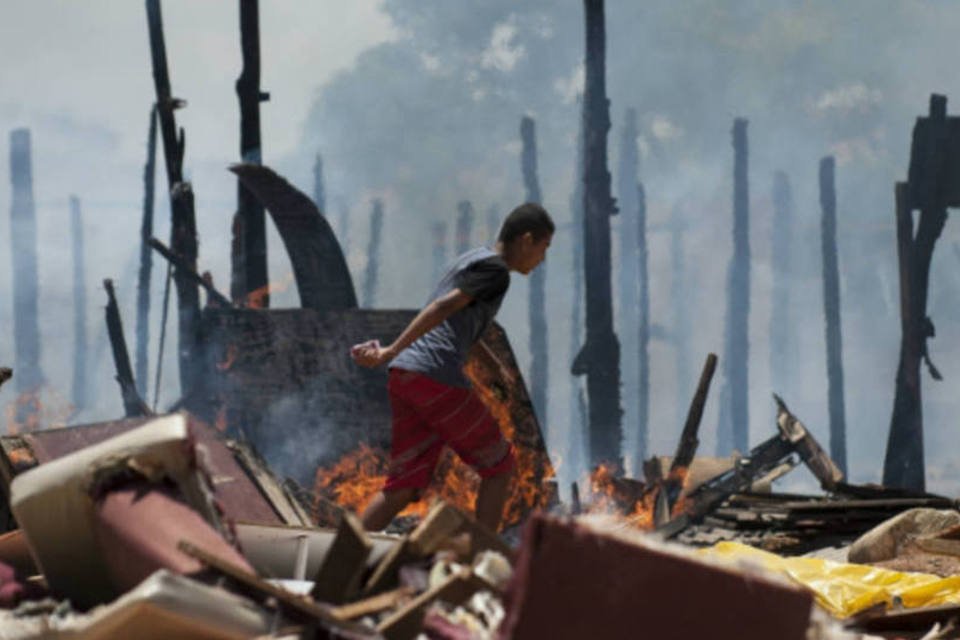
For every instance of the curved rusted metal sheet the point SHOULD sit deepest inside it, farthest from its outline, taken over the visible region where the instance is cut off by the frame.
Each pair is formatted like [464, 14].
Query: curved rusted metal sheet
[323, 279]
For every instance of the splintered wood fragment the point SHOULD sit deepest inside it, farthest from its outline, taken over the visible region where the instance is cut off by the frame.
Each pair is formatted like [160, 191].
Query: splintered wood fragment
[385, 575]
[373, 604]
[405, 623]
[343, 566]
[440, 523]
[299, 604]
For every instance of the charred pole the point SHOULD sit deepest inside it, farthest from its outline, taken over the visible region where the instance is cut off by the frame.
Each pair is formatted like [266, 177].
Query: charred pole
[319, 191]
[371, 274]
[183, 232]
[680, 314]
[23, 237]
[133, 405]
[643, 332]
[732, 432]
[600, 358]
[577, 411]
[831, 308]
[926, 190]
[782, 355]
[439, 230]
[539, 363]
[249, 255]
[464, 228]
[493, 224]
[146, 258]
[80, 373]
[343, 229]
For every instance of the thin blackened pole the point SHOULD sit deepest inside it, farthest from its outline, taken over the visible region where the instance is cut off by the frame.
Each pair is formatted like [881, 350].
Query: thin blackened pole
[601, 358]
[831, 308]
[493, 224]
[319, 190]
[464, 228]
[371, 275]
[183, 232]
[439, 250]
[146, 258]
[249, 272]
[732, 432]
[539, 357]
[643, 332]
[132, 404]
[782, 356]
[80, 366]
[23, 236]
[577, 425]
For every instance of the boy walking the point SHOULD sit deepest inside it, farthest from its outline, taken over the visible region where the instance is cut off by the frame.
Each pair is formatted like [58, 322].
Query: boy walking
[431, 399]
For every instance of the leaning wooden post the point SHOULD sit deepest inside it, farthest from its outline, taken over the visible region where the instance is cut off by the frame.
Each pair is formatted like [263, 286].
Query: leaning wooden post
[371, 274]
[537, 314]
[464, 228]
[931, 188]
[249, 255]
[782, 355]
[23, 237]
[831, 308]
[183, 232]
[600, 358]
[80, 373]
[732, 432]
[146, 259]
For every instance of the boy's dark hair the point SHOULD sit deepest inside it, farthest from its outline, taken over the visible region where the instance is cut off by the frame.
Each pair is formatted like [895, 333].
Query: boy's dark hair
[529, 216]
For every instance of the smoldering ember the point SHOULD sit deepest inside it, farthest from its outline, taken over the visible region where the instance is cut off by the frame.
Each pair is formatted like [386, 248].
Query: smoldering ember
[319, 430]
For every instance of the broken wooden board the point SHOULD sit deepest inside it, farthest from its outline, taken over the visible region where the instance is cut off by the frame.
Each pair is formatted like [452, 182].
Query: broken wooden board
[342, 568]
[373, 604]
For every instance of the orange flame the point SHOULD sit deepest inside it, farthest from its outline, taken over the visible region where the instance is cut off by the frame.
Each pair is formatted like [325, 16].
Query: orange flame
[257, 298]
[358, 476]
[28, 412]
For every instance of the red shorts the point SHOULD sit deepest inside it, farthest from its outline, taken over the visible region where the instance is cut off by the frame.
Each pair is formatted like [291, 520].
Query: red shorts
[428, 415]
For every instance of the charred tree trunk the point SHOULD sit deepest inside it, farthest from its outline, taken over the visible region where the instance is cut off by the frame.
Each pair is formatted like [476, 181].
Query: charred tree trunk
[146, 259]
[643, 332]
[319, 191]
[464, 229]
[23, 237]
[577, 412]
[831, 308]
[782, 355]
[629, 316]
[80, 366]
[183, 232]
[249, 269]
[132, 404]
[439, 250]
[373, 255]
[539, 363]
[493, 224]
[600, 358]
[680, 312]
[732, 432]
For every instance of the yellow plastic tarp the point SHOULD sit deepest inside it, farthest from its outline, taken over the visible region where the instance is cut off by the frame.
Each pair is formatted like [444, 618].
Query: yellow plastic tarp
[844, 589]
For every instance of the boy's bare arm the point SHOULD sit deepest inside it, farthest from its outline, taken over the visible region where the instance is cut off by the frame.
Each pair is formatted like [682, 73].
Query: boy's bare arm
[371, 354]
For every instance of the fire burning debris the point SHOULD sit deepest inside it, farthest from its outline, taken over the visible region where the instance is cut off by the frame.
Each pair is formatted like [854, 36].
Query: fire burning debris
[256, 299]
[32, 410]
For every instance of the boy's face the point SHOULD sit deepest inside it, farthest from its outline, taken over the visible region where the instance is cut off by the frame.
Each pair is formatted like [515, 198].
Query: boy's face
[532, 252]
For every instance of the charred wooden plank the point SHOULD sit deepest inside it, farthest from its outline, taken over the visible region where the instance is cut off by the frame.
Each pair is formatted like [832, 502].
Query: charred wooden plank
[343, 566]
[132, 402]
[185, 270]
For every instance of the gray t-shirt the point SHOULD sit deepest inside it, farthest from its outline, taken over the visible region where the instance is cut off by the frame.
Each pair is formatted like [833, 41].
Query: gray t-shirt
[441, 352]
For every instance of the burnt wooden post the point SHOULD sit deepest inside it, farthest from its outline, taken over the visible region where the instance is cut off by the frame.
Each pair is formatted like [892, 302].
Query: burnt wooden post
[439, 230]
[371, 274]
[600, 358]
[537, 312]
[493, 224]
[782, 355]
[183, 232]
[23, 245]
[643, 332]
[831, 308]
[464, 227]
[80, 373]
[146, 258]
[680, 312]
[319, 191]
[732, 432]
[577, 410]
[249, 255]
[132, 404]
[932, 187]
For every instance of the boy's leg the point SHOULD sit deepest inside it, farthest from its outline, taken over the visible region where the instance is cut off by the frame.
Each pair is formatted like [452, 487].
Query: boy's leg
[385, 506]
[491, 498]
